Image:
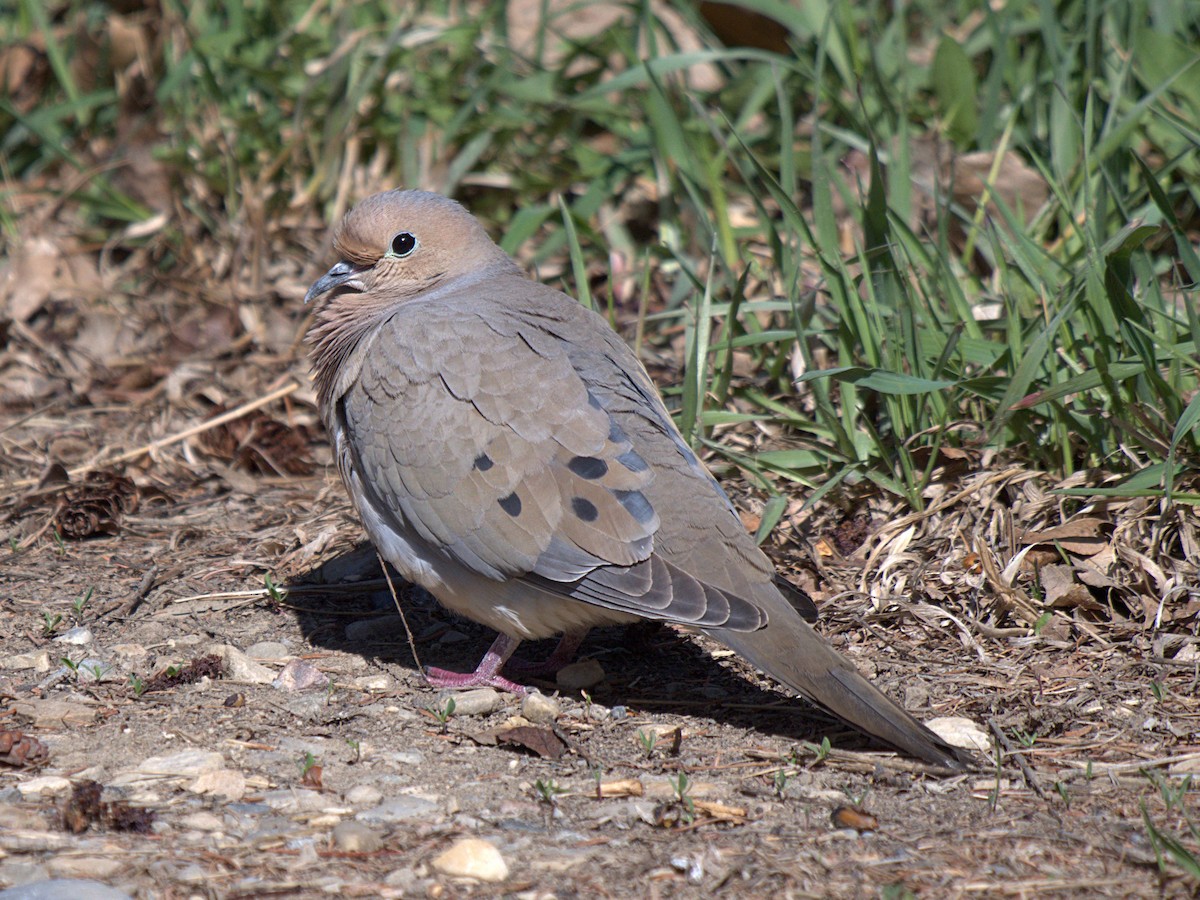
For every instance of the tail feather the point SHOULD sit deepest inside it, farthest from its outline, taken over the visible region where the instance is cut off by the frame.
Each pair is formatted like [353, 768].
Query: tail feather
[792, 653]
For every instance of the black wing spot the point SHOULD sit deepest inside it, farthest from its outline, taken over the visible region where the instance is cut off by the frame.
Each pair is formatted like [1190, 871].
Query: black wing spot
[584, 509]
[483, 462]
[636, 505]
[631, 461]
[588, 467]
[511, 504]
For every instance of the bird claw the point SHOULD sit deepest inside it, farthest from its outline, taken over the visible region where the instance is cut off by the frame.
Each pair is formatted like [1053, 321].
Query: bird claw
[441, 678]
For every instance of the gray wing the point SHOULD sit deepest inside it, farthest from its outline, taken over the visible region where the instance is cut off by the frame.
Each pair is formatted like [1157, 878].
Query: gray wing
[476, 434]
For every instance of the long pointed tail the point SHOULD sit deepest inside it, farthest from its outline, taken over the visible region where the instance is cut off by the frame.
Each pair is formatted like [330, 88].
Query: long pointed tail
[792, 653]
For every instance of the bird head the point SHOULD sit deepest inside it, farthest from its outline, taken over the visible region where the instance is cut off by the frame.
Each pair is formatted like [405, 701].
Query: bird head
[401, 243]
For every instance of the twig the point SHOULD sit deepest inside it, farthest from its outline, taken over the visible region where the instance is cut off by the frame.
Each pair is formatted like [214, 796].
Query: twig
[174, 438]
[125, 608]
[412, 645]
[1026, 772]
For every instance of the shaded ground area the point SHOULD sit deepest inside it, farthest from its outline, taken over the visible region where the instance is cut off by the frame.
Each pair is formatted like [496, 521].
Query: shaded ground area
[249, 784]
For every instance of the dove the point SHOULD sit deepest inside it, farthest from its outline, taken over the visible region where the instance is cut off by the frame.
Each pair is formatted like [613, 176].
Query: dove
[507, 451]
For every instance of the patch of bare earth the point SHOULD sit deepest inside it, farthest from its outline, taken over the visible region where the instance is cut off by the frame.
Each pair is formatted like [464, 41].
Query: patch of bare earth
[176, 724]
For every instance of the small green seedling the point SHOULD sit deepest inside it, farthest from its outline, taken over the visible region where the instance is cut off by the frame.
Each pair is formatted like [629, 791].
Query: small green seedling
[821, 750]
[50, 623]
[443, 713]
[80, 603]
[682, 788]
[780, 781]
[138, 684]
[648, 740]
[277, 594]
[306, 763]
[548, 790]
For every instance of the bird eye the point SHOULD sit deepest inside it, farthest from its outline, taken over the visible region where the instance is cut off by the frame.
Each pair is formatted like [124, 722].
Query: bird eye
[403, 244]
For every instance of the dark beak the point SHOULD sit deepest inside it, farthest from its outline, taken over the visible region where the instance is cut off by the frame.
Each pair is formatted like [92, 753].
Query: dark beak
[344, 274]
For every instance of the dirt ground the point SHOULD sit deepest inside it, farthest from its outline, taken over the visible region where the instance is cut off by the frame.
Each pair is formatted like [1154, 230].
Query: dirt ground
[235, 725]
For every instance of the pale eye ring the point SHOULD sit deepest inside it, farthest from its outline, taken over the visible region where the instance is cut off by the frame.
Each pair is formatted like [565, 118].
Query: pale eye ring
[403, 244]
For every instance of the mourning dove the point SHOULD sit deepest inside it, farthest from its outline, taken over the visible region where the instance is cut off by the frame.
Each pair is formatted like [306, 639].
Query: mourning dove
[509, 453]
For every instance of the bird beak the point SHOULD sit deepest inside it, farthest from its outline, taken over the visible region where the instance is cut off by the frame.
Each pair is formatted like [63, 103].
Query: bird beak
[344, 274]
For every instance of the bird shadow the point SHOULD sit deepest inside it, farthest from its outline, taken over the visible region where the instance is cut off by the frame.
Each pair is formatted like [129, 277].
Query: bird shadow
[348, 607]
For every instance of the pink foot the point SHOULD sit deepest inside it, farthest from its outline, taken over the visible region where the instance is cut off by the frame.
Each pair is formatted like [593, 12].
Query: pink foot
[486, 674]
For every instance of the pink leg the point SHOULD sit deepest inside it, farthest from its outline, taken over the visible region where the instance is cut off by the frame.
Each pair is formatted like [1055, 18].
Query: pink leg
[486, 674]
[564, 653]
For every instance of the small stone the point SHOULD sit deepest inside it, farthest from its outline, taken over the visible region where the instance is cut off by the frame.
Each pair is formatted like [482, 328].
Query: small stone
[958, 731]
[294, 801]
[472, 858]
[202, 821]
[397, 809]
[355, 837]
[225, 784]
[580, 676]
[374, 684]
[241, 668]
[364, 795]
[17, 818]
[186, 763]
[403, 758]
[64, 889]
[54, 714]
[267, 650]
[52, 785]
[471, 703]
[18, 871]
[98, 867]
[539, 708]
[300, 675]
[78, 635]
[38, 660]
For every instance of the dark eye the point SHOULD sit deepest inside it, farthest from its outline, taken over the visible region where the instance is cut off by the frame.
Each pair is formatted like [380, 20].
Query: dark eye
[403, 244]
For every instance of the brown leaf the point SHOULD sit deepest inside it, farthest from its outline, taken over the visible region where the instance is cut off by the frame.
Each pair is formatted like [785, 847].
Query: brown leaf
[851, 817]
[1083, 536]
[1061, 589]
[542, 741]
[312, 778]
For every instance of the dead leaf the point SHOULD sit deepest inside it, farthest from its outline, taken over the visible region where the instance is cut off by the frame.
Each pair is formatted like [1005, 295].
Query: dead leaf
[542, 741]
[1083, 536]
[851, 817]
[36, 270]
[1062, 590]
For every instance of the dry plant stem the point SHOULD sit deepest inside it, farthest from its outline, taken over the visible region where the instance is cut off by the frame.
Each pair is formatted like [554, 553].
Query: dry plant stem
[1026, 772]
[237, 413]
[412, 644]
